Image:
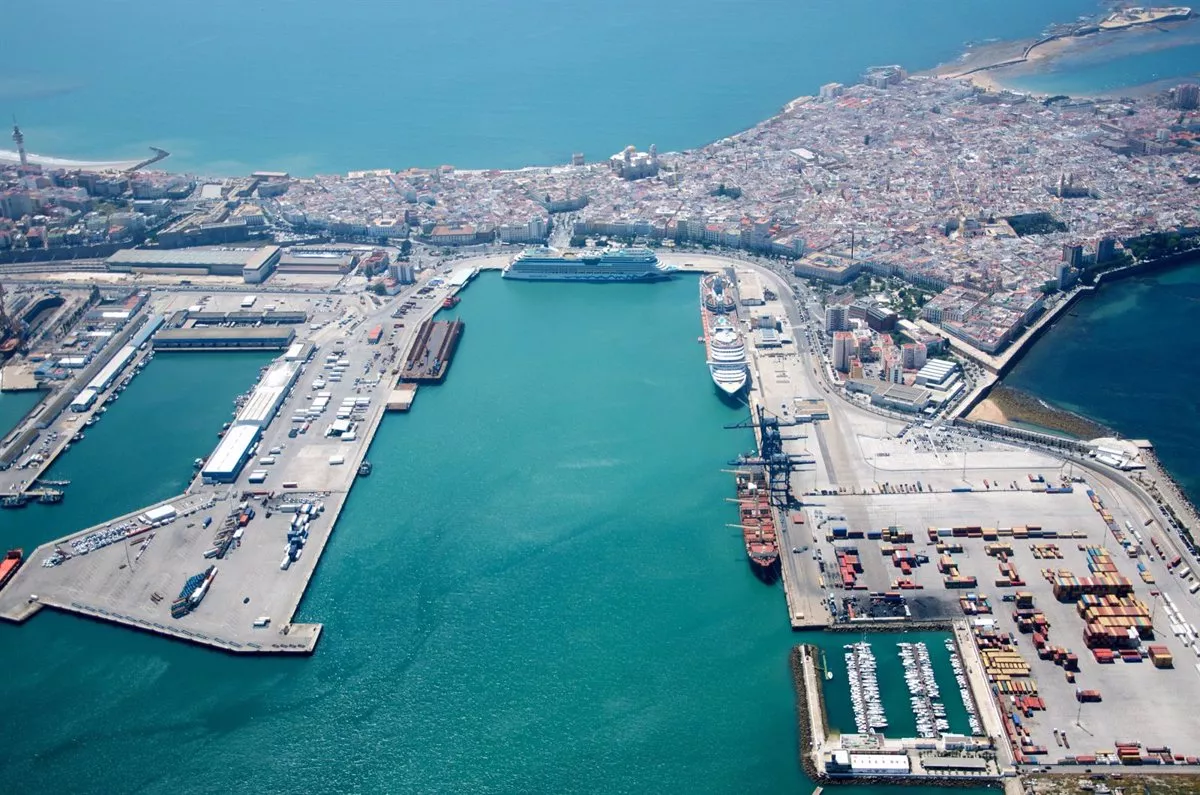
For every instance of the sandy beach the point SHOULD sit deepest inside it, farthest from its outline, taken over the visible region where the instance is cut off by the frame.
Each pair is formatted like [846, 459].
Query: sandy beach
[988, 411]
[9, 156]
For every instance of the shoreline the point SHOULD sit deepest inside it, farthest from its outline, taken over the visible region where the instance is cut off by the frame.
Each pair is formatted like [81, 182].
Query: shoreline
[1023, 56]
[975, 65]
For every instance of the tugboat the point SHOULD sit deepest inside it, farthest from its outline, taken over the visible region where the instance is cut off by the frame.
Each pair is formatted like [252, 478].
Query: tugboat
[9, 565]
[364, 468]
[50, 497]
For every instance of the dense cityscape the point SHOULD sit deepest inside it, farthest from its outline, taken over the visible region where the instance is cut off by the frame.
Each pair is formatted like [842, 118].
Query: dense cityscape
[1003, 197]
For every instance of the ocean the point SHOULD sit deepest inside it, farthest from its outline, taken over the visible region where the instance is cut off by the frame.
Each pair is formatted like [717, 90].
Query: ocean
[312, 86]
[1109, 359]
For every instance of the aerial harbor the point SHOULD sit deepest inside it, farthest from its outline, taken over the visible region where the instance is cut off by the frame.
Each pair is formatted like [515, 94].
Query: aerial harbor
[846, 449]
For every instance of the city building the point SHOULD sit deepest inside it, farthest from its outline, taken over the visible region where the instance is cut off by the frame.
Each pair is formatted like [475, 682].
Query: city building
[1066, 275]
[884, 76]
[880, 318]
[1106, 250]
[1187, 96]
[631, 164]
[1072, 254]
[913, 355]
[844, 348]
[832, 90]
[837, 318]
[231, 454]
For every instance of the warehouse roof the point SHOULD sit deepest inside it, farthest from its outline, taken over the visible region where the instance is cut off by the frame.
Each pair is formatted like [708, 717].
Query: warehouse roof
[231, 452]
[954, 763]
[223, 333]
[194, 257]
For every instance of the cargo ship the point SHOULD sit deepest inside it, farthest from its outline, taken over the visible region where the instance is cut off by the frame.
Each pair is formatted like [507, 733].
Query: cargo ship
[10, 564]
[608, 265]
[758, 524]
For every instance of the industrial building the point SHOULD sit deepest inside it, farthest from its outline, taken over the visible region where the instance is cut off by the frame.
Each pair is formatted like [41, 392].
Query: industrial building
[84, 400]
[110, 371]
[911, 399]
[220, 338]
[936, 372]
[231, 454]
[750, 290]
[269, 395]
[254, 264]
[318, 259]
[242, 318]
[851, 763]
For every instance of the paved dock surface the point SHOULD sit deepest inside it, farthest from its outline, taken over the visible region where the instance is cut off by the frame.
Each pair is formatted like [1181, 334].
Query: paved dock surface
[133, 580]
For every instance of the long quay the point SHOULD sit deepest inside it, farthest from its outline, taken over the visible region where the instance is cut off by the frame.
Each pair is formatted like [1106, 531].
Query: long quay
[226, 563]
[429, 358]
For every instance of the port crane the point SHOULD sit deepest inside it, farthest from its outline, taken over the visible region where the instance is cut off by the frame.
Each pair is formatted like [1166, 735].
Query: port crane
[771, 456]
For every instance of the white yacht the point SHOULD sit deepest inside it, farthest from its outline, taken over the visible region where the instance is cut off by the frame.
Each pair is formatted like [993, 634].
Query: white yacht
[727, 357]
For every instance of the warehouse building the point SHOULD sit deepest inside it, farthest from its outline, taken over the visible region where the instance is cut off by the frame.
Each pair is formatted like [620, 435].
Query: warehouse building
[851, 763]
[235, 449]
[110, 371]
[911, 399]
[254, 265]
[262, 338]
[243, 318]
[269, 395]
[318, 259]
[84, 400]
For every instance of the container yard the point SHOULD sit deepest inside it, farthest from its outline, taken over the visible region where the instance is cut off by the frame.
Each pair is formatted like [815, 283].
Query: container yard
[1079, 624]
[263, 503]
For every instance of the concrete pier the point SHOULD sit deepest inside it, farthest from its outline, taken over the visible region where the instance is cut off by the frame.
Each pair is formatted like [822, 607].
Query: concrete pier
[129, 570]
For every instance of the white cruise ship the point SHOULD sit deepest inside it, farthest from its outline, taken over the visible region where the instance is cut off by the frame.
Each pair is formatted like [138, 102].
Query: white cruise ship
[727, 357]
[609, 265]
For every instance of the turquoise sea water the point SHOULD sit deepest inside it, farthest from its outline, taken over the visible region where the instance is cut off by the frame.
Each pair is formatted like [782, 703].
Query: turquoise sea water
[14, 406]
[535, 590]
[1146, 57]
[314, 86]
[1107, 360]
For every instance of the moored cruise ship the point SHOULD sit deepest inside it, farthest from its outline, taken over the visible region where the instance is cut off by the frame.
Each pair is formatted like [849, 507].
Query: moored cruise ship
[718, 293]
[608, 265]
[727, 357]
